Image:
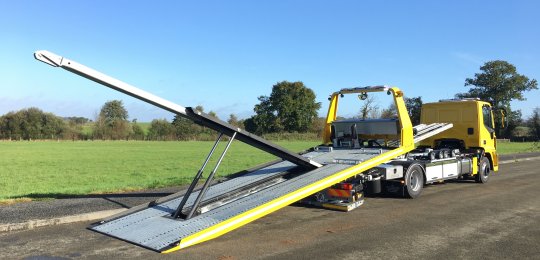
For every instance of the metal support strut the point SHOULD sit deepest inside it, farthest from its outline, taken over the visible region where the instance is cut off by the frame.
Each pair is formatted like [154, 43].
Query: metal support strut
[206, 185]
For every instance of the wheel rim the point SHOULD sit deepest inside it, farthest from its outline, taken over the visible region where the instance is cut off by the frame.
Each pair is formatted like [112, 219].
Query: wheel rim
[485, 171]
[414, 181]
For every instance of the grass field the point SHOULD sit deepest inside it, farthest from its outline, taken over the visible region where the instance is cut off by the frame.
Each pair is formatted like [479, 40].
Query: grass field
[508, 148]
[87, 128]
[42, 169]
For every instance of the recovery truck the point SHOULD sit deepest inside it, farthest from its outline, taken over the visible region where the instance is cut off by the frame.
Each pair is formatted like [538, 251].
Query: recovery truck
[467, 150]
[455, 140]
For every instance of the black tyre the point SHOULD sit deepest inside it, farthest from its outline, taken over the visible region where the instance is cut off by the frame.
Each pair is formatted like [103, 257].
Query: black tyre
[483, 171]
[414, 182]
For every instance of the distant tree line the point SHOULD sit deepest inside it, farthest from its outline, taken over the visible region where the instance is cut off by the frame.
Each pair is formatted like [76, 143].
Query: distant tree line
[291, 107]
[289, 111]
[32, 123]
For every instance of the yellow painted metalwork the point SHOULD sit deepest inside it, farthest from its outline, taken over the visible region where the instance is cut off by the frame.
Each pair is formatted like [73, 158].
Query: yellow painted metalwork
[345, 208]
[467, 117]
[330, 117]
[474, 166]
[407, 138]
[397, 94]
[495, 160]
[276, 204]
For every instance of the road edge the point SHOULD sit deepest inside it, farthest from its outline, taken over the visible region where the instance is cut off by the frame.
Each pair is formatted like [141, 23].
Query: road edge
[31, 224]
[519, 160]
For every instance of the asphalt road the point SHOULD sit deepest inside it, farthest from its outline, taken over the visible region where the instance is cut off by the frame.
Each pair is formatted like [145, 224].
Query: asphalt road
[453, 220]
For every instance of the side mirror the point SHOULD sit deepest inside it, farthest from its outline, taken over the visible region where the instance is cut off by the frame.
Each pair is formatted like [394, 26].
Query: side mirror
[504, 121]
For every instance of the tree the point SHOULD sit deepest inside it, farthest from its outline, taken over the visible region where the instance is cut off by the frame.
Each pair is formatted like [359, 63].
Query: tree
[291, 107]
[414, 107]
[213, 114]
[317, 126]
[54, 127]
[160, 130]
[521, 132]
[368, 108]
[498, 83]
[137, 133]
[74, 130]
[11, 125]
[390, 112]
[112, 111]
[265, 119]
[77, 120]
[112, 121]
[233, 120]
[184, 128]
[31, 123]
[514, 119]
[534, 124]
[199, 108]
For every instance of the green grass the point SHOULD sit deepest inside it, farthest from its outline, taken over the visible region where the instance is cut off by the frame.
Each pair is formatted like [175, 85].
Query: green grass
[48, 169]
[509, 148]
[88, 127]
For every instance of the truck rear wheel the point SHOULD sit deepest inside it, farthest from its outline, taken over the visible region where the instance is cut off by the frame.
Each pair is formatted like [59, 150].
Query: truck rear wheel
[414, 182]
[483, 171]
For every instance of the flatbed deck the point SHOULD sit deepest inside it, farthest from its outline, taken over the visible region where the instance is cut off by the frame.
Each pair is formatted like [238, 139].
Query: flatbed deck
[152, 228]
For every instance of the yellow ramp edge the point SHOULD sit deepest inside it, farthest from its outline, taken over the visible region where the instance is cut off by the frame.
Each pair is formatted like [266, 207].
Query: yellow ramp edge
[276, 204]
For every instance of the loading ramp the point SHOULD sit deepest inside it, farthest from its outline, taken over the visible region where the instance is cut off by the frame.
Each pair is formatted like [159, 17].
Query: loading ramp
[197, 215]
[151, 227]
[154, 229]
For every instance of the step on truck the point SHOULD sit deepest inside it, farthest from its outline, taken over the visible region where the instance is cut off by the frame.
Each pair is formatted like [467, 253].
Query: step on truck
[371, 155]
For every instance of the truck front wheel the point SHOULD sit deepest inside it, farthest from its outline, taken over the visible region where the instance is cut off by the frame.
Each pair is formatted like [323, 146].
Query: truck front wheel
[483, 171]
[414, 182]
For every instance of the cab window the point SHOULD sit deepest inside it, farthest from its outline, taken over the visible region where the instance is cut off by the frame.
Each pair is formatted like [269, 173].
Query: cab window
[488, 122]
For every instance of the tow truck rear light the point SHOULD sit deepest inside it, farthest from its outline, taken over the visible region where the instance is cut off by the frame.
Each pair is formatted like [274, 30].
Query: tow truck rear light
[346, 186]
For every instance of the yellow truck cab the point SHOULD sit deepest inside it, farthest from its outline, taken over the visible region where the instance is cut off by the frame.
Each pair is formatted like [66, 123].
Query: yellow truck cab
[473, 129]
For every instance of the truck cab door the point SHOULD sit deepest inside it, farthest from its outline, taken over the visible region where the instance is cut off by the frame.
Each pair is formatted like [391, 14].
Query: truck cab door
[488, 136]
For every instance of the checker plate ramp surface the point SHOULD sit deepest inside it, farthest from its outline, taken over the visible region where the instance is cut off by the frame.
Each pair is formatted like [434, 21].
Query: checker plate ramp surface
[424, 131]
[151, 228]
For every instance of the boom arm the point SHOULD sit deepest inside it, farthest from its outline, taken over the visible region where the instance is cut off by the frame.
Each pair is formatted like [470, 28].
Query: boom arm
[81, 70]
[189, 113]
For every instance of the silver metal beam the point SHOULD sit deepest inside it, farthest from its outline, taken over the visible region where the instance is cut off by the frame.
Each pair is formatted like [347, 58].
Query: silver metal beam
[81, 70]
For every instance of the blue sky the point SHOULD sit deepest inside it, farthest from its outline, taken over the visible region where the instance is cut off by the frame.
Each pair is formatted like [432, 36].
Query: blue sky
[224, 54]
